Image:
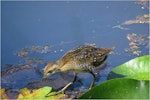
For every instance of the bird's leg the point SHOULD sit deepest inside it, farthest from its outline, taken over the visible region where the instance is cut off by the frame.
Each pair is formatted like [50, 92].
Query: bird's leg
[60, 91]
[94, 79]
[75, 77]
[63, 89]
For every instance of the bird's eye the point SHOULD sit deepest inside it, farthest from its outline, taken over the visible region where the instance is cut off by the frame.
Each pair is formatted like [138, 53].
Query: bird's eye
[49, 71]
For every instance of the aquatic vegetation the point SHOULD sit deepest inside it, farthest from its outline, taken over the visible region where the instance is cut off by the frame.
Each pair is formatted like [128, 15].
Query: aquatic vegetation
[141, 19]
[38, 49]
[16, 69]
[34, 60]
[120, 27]
[143, 3]
[41, 93]
[134, 84]
[119, 88]
[136, 43]
[21, 74]
[34, 49]
[137, 68]
[23, 52]
[3, 95]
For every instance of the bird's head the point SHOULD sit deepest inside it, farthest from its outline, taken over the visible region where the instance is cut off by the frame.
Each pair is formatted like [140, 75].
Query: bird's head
[50, 68]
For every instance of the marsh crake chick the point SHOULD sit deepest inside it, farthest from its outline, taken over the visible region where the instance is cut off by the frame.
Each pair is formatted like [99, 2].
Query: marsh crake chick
[83, 58]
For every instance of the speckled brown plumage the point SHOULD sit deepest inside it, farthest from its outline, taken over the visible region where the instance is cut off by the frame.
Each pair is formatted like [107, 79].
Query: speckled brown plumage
[83, 58]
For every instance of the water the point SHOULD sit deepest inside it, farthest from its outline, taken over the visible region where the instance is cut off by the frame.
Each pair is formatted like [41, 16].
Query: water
[63, 26]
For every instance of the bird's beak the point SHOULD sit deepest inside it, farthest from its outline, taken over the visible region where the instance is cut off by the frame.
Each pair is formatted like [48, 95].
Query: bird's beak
[109, 50]
[113, 48]
[45, 76]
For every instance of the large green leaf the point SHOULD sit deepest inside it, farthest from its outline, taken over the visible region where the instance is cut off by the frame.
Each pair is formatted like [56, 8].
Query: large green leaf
[137, 68]
[119, 88]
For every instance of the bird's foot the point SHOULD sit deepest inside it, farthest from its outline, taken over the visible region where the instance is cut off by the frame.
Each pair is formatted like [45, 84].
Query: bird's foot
[90, 88]
[92, 85]
[62, 91]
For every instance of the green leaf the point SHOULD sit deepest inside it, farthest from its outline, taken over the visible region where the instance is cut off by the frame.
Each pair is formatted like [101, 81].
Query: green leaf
[38, 94]
[119, 88]
[137, 68]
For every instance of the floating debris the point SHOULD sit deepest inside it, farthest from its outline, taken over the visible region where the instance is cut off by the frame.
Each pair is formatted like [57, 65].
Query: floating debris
[33, 60]
[8, 65]
[141, 19]
[137, 52]
[23, 52]
[143, 3]
[137, 41]
[120, 27]
[39, 49]
[34, 49]
[45, 49]
[16, 69]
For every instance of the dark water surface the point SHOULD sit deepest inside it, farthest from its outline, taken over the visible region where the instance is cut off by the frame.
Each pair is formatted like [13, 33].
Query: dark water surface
[34, 33]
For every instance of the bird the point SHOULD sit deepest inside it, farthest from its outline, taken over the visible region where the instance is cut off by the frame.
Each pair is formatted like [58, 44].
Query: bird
[83, 58]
